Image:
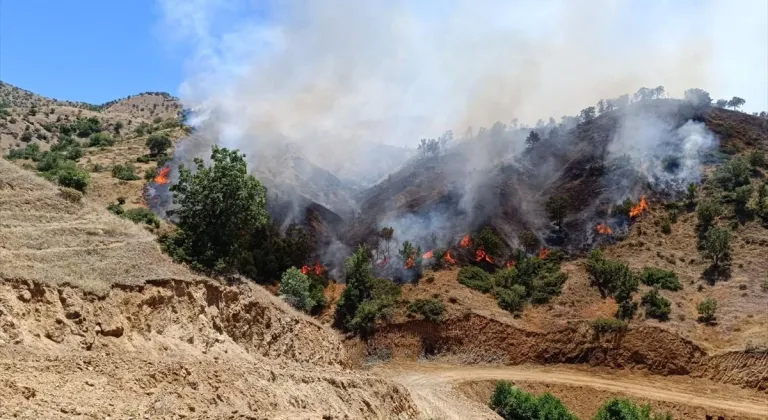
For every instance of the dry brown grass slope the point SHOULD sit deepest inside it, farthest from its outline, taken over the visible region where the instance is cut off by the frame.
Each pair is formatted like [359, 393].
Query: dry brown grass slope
[95, 321]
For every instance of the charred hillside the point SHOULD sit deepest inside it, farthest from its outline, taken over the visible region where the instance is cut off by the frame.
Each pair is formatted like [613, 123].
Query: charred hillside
[650, 147]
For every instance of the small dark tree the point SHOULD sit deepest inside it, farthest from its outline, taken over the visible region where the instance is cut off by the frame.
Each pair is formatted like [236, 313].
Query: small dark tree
[532, 139]
[528, 240]
[706, 212]
[118, 126]
[717, 244]
[358, 278]
[557, 208]
[690, 195]
[656, 305]
[736, 103]
[587, 114]
[386, 234]
[158, 144]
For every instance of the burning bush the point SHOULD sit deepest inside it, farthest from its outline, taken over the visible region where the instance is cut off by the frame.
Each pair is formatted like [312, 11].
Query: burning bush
[489, 242]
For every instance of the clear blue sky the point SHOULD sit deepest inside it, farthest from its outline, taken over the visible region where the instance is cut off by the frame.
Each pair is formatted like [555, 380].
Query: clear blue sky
[86, 50]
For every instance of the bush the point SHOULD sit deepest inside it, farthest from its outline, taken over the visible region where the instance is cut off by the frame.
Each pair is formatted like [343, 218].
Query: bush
[657, 277]
[732, 174]
[475, 278]
[30, 151]
[528, 240]
[158, 144]
[741, 198]
[547, 285]
[220, 207]
[757, 159]
[707, 211]
[294, 288]
[706, 310]
[506, 278]
[512, 403]
[100, 140]
[656, 306]
[143, 159]
[142, 215]
[430, 309]
[608, 275]
[604, 325]
[511, 299]
[717, 244]
[75, 178]
[621, 409]
[26, 137]
[85, 127]
[125, 172]
[70, 194]
[666, 226]
[489, 241]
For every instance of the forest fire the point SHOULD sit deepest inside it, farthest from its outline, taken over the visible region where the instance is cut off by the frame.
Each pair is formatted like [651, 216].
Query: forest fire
[162, 176]
[544, 253]
[466, 241]
[306, 270]
[603, 229]
[409, 263]
[637, 210]
[481, 255]
[510, 263]
[427, 255]
[317, 269]
[448, 258]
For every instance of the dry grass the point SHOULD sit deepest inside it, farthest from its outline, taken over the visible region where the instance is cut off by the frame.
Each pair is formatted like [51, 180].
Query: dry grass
[44, 237]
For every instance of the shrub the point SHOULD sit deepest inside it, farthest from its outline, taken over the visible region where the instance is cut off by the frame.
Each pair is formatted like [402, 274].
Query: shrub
[528, 240]
[294, 288]
[75, 178]
[666, 226]
[142, 215]
[512, 403]
[547, 285]
[657, 277]
[143, 159]
[26, 137]
[116, 208]
[157, 120]
[149, 174]
[158, 144]
[607, 274]
[511, 299]
[125, 172]
[489, 241]
[100, 140]
[706, 310]
[475, 278]
[430, 309]
[732, 174]
[219, 209]
[717, 244]
[741, 198]
[690, 195]
[621, 409]
[656, 306]
[70, 194]
[506, 278]
[707, 211]
[604, 325]
[30, 151]
[85, 127]
[757, 159]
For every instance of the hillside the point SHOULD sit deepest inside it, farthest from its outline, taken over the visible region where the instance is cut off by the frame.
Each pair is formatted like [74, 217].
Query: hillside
[132, 333]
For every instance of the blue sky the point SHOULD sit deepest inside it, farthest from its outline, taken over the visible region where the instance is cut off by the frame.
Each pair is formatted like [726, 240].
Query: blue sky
[86, 50]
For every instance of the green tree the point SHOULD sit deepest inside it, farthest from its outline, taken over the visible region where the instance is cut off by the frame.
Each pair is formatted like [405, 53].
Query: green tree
[512, 403]
[690, 196]
[75, 178]
[528, 240]
[621, 409]
[707, 211]
[386, 234]
[118, 126]
[532, 139]
[557, 208]
[294, 288]
[656, 305]
[219, 209]
[706, 310]
[158, 144]
[511, 299]
[358, 276]
[741, 198]
[717, 244]
[736, 103]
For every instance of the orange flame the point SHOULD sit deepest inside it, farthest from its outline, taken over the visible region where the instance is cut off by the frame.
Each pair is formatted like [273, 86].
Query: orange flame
[639, 208]
[603, 229]
[511, 263]
[305, 270]
[319, 269]
[429, 254]
[409, 263]
[466, 241]
[481, 255]
[162, 176]
[544, 253]
[448, 258]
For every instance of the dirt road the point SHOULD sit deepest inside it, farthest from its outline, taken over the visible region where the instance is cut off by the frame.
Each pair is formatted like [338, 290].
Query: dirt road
[432, 387]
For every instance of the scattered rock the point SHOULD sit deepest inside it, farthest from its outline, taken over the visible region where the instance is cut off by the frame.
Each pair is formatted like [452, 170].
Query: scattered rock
[27, 392]
[24, 295]
[115, 330]
[89, 382]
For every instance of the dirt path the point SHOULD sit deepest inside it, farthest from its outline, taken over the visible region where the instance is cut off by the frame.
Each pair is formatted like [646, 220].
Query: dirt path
[432, 386]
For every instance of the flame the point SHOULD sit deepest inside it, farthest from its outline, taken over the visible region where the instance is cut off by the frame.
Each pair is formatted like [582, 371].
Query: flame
[639, 208]
[448, 258]
[429, 254]
[409, 263]
[511, 263]
[305, 270]
[544, 253]
[384, 261]
[466, 241]
[603, 229]
[481, 255]
[319, 269]
[162, 176]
